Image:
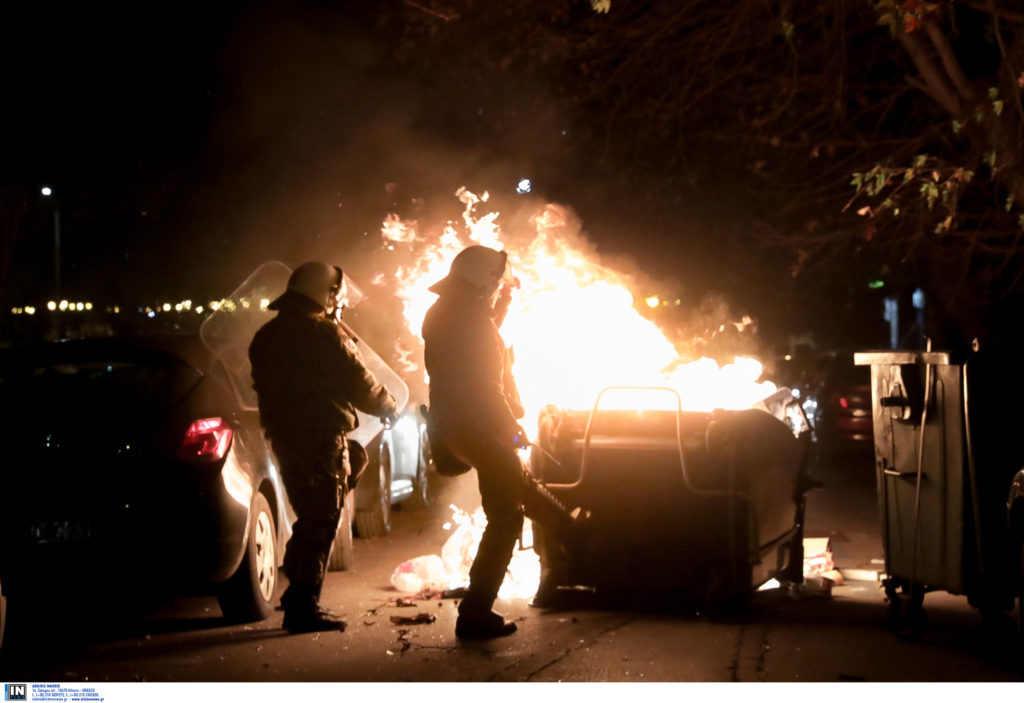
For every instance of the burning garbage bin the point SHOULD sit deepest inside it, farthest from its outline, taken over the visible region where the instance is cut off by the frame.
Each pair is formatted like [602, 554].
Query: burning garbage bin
[948, 457]
[702, 506]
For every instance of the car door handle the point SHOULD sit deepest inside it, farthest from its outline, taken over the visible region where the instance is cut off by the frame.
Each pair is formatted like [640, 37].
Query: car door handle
[899, 474]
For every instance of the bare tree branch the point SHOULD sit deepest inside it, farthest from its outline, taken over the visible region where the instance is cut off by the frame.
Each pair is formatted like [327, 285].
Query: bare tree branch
[950, 63]
[447, 17]
[934, 82]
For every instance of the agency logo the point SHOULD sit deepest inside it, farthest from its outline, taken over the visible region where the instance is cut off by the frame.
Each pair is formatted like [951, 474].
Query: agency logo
[15, 692]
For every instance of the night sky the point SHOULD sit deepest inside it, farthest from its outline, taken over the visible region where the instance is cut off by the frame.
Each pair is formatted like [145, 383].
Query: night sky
[188, 144]
[178, 137]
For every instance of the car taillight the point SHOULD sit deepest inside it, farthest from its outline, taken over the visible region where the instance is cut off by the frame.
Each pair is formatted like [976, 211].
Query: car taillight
[206, 440]
[837, 400]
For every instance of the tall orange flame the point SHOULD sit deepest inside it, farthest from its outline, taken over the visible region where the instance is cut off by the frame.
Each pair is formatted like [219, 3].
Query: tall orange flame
[574, 330]
[573, 325]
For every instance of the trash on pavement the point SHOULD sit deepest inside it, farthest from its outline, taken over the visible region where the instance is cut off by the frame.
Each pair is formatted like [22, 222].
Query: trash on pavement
[418, 619]
[403, 642]
[446, 575]
[817, 557]
[421, 573]
[820, 573]
[860, 574]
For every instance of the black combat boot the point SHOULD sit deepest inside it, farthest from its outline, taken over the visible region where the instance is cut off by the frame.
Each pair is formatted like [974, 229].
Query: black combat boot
[302, 613]
[482, 625]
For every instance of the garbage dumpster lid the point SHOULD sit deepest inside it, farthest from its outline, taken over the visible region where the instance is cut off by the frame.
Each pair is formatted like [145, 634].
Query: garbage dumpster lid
[901, 356]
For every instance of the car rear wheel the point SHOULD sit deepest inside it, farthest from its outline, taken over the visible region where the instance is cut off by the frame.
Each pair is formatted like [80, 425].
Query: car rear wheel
[376, 520]
[343, 553]
[249, 594]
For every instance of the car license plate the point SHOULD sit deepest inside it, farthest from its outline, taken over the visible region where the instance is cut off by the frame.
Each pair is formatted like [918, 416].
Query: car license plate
[59, 531]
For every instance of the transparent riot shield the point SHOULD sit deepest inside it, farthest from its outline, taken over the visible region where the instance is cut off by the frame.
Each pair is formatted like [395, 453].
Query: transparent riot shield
[228, 331]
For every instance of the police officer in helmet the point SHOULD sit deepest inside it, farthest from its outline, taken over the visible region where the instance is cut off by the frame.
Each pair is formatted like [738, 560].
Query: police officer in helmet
[310, 380]
[474, 414]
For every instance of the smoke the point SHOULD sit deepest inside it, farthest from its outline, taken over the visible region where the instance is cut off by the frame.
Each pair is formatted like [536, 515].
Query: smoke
[460, 491]
[315, 136]
[315, 142]
[532, 231]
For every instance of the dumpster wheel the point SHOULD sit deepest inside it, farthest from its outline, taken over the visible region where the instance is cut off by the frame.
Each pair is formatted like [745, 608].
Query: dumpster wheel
[906, 607]
[724, 597]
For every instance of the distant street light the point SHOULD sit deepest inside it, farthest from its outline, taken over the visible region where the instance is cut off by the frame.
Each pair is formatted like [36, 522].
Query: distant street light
[47, 192]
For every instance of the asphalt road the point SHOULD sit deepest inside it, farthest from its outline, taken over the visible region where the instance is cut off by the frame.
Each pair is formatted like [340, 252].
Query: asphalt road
[809, 636]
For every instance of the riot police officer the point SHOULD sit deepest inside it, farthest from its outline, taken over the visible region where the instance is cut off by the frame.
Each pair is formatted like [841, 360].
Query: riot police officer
[474, 413]
[310, 379]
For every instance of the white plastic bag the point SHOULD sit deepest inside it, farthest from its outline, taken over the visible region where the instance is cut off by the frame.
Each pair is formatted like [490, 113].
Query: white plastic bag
[422, 573]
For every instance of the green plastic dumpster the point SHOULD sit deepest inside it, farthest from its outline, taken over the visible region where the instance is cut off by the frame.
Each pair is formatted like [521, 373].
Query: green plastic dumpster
[948, 433]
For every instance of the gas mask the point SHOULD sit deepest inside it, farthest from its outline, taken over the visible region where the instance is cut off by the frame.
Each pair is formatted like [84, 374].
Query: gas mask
[338, 300]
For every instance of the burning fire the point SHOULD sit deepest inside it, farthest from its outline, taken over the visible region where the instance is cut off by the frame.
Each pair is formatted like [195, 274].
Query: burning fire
[431, 573]
[575, 331]
[572, 325]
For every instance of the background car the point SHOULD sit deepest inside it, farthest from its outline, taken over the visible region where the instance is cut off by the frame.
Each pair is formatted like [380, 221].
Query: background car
[398, 474]
[129, 466]
[836, 396]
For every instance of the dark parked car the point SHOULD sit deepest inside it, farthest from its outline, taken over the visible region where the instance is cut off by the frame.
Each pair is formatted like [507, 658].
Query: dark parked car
[129, 463]
[836, 397]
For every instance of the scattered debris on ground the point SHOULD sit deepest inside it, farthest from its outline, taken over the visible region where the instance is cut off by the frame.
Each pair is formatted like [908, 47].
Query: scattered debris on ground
[418, 619]
[820, 573]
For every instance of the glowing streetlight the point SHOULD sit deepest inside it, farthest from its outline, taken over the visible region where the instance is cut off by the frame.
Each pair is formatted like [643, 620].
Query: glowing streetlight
[47, 192]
